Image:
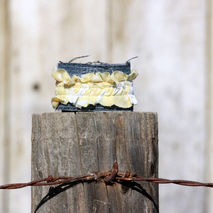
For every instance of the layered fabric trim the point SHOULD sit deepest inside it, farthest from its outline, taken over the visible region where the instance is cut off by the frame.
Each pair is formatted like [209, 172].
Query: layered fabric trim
[94, 88]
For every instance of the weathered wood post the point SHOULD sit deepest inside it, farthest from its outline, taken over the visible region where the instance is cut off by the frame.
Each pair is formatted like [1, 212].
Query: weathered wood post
[73, 144]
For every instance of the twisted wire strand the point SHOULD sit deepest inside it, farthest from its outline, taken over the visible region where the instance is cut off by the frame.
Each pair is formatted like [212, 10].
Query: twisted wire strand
[108, 177]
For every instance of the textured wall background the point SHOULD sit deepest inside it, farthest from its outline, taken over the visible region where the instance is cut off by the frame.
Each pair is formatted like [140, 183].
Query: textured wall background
[174, 43]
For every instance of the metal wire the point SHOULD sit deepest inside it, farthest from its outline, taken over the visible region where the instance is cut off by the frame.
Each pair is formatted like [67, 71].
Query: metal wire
[108, 177]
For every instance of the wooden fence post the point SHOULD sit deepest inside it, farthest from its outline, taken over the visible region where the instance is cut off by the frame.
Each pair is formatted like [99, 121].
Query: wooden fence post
[73, 144]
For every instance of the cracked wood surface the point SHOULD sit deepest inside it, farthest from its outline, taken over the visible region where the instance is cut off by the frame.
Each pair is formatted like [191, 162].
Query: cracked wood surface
[75, 144]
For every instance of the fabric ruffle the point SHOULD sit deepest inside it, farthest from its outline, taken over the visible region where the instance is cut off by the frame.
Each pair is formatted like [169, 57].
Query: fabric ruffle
[94, 88]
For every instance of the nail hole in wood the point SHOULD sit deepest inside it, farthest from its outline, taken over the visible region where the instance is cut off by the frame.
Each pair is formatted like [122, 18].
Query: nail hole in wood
[36, 87]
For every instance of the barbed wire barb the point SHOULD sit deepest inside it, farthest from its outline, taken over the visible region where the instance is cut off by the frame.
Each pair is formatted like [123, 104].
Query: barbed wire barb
[110, 176]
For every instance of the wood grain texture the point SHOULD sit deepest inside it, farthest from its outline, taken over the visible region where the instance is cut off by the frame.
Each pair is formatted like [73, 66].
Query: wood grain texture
[23, 98]
[170, 40]
[209, 113]
[42, 33]
[77, 144]
[4, 93]
[2, 86]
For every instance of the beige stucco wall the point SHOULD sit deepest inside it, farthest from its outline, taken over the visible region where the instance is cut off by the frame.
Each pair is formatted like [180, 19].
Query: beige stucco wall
[172, 40]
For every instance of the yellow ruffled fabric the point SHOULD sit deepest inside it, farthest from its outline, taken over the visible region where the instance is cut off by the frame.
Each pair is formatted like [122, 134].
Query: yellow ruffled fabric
[94, 88]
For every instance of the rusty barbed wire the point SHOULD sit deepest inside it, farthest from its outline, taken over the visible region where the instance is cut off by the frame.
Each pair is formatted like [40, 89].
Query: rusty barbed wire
[108, 177]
